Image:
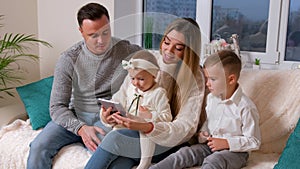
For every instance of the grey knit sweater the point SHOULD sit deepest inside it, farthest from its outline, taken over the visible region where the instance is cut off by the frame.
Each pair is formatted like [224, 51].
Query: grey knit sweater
[84, 76]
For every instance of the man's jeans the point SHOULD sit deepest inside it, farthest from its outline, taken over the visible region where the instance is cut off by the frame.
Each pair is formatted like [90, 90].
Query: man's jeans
[52, 138]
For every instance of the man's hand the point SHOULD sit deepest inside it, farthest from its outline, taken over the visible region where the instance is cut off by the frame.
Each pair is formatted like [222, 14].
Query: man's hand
[216, 144]
[89, 137]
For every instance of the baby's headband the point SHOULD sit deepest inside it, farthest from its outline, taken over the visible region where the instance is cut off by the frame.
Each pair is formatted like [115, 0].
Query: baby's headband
[141, 64]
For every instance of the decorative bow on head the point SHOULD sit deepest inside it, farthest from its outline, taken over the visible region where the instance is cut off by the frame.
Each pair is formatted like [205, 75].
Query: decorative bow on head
[141, 64]
[128, 64]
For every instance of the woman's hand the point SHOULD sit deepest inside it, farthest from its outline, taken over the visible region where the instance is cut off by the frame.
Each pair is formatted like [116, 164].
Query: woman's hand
[133, 122]
[106, 116]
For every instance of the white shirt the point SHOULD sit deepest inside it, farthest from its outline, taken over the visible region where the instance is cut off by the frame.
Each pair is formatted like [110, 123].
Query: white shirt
[235, 119]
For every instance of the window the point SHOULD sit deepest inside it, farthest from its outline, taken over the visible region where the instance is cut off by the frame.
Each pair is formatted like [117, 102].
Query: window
[159, 13]
[275, 17]
[292, 52]
[279, 19]
[248, 19]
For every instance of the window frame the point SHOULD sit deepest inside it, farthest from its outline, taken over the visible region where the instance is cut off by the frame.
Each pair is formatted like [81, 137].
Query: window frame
[273, 58]
[283, 34]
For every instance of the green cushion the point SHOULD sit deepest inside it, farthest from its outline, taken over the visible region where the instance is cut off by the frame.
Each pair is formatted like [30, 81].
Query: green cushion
[36, 98]
[290, 156]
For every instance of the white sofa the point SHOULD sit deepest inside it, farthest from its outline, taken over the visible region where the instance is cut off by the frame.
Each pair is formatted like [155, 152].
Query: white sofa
[275, 92]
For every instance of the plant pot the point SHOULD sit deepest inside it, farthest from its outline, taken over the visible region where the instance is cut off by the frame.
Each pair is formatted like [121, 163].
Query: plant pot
[256, 67]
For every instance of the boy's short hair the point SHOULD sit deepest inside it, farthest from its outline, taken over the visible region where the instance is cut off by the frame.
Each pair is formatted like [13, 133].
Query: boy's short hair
[229, 60]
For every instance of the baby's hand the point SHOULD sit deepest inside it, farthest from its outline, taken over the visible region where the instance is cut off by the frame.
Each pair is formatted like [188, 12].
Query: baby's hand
[202, 136]
[106, 116]
[143, 109]
[144, 112]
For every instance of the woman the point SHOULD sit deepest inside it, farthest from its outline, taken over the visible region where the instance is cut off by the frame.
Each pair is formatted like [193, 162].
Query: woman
[183, 80]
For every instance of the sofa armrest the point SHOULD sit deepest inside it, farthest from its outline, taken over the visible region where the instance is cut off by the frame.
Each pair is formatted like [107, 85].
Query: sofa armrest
[22, 116]
[11, 112]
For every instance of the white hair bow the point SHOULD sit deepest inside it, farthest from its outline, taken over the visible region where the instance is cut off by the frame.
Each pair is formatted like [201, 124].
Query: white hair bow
[142, 64]
[128, 64]
[138, 63]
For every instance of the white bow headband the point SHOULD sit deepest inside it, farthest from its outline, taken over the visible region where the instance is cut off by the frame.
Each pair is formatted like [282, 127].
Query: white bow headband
[142, 64]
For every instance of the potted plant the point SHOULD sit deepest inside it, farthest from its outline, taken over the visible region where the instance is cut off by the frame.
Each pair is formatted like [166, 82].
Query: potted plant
[256, 64]
[13, 48]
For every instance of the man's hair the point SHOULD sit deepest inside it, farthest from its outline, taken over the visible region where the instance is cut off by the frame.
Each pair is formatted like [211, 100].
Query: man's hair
[91, 11]
[228, 59]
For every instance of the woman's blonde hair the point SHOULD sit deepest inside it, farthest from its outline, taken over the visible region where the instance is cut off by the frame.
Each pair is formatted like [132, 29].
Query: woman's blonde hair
[188, 70]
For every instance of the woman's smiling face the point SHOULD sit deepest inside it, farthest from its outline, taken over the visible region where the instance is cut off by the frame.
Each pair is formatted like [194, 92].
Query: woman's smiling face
[172, 47]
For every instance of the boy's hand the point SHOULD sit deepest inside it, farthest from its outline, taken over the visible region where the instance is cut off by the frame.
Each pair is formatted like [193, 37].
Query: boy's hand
[216, 144]
[203, 136]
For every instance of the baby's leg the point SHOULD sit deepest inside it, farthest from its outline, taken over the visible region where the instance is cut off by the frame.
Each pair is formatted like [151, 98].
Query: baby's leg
[147, 151]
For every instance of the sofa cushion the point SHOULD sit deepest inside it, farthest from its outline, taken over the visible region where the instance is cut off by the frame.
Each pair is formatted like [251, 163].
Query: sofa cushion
[274, 94]
[291, 153]
[36, 98]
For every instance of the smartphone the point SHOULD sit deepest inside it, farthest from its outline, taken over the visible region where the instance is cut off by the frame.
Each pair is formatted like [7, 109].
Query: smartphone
[116, 106]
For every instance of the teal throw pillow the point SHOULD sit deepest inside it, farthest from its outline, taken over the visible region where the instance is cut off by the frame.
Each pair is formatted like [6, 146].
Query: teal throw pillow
[290, 156]
[36, 98]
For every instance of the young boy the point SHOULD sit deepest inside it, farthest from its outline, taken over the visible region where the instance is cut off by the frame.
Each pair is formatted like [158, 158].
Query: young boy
[231, 129]
[144, 98]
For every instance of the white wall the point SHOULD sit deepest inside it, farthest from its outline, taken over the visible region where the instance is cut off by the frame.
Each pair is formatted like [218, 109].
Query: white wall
[57, 23]
[128, 20]
[21, 17]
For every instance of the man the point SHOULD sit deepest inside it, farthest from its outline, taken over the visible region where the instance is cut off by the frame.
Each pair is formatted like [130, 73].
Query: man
[88, 70]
